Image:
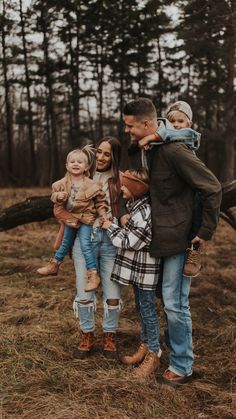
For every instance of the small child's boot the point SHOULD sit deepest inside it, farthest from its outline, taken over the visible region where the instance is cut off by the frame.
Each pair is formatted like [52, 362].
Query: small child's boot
[192, 265]
[51, 268]
[93, 280]
[137, 357]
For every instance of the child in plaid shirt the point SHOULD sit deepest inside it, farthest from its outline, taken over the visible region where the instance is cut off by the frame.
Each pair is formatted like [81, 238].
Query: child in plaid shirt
[134, 265]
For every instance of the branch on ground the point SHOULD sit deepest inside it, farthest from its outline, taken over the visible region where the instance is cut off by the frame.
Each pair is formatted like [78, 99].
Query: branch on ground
[40, 208]
[35, 208]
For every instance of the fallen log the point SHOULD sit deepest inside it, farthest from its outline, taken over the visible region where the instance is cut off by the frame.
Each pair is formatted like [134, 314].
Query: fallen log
[40, 208]
[34, 208]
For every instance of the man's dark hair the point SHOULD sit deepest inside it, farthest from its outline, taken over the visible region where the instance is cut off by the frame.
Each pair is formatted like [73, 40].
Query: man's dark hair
[139, 108]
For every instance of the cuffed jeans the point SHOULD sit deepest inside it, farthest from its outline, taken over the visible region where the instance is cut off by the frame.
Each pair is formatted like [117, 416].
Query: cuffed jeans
[145, 301]
[175, 291]
[105, 254]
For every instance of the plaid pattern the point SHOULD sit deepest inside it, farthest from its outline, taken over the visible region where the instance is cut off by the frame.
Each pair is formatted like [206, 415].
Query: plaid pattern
[133, 263]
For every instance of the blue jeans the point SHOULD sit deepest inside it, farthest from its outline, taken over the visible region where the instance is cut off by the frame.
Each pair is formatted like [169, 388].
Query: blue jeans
[145, 301]
[85, 233]
[175, 291]
[66, 244]
[105, 254]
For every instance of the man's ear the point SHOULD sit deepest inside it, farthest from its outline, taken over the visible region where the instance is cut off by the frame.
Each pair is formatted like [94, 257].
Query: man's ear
[146, 123]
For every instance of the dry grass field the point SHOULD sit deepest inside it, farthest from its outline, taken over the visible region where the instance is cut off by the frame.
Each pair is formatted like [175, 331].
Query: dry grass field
[40, 377]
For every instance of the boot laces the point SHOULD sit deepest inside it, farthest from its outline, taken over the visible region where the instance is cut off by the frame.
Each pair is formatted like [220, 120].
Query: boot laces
[192, 256]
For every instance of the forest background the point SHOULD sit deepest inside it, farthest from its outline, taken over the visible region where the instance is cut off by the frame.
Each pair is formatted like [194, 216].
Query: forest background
[68, 67]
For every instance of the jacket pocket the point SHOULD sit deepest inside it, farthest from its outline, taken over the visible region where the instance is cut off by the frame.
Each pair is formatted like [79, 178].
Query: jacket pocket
[169, 220]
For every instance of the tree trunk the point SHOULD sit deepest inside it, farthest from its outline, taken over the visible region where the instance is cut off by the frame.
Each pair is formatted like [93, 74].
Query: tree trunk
[9, 132]
[54, 169]
[28, 83]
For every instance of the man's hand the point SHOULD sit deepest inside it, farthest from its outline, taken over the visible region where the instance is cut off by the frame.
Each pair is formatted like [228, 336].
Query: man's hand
[202, 242]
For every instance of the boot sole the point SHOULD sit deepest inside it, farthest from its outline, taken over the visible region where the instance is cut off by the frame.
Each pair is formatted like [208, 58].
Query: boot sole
[83, 354]
[92, 289]
[110, 355]
[179, 383]
[47, 274]
[191, 276]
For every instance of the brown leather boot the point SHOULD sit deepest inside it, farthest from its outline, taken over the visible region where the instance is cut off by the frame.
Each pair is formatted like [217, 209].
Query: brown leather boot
[93, 280]
[51, 268]
[148, 367]
[109, 345]
[137, 357]
[192, 265]
[86, 345]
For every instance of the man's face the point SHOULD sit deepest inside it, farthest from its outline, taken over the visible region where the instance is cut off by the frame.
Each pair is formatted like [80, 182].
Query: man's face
[136, 128]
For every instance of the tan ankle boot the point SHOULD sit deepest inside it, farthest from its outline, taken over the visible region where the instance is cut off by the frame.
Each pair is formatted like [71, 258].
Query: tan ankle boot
[93, 280]
[109, 345]
[148, 367]
[192, 265]
[137, 357]
[51, 268]
[86, 345]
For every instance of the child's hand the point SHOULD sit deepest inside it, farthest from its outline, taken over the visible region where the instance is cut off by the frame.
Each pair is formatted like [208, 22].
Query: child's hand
[104, 218]
[123, 220]
[144, 142]
[106, 224]
[62, 196]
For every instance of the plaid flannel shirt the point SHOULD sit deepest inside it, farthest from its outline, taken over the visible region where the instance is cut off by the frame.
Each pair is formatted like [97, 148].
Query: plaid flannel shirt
[133, 263]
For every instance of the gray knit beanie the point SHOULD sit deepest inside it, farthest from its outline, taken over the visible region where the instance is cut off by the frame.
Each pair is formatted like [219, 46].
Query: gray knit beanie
[181, 106]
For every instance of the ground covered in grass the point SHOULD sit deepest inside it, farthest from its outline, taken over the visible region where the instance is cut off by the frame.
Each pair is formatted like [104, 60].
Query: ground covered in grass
[41, 378]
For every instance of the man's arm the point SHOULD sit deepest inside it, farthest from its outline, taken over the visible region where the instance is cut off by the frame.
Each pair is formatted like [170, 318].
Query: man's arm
[200, 178]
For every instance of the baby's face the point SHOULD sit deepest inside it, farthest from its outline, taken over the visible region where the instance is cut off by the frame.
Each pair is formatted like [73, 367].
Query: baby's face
[179, 120]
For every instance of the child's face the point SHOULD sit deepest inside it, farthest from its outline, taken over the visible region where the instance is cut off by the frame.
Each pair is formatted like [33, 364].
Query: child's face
[179, 120]
[77, 164]
[126, 192]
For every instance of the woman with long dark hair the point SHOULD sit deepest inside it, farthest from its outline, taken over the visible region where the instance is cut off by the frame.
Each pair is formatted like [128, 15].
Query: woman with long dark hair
[108, 153]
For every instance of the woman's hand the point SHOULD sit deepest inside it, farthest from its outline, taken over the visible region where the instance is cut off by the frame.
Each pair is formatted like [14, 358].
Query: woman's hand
[86, 218]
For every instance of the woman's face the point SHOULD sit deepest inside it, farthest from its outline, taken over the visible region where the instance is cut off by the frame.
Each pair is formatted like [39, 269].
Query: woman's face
[103, 157]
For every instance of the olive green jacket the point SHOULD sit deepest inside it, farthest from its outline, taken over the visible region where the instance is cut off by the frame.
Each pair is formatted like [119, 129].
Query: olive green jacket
[175, 175]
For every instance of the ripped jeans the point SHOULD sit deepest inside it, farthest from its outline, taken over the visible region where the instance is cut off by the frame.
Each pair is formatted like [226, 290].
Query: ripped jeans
[105, 254]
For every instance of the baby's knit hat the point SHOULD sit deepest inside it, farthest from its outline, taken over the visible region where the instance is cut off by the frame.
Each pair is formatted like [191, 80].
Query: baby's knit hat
[181, 106]
[136, 186]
